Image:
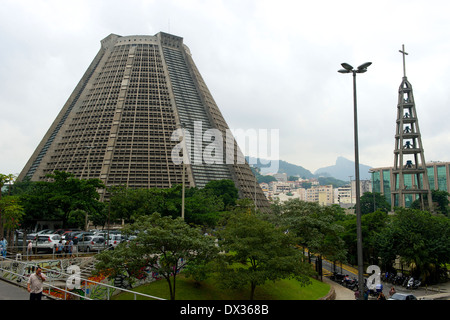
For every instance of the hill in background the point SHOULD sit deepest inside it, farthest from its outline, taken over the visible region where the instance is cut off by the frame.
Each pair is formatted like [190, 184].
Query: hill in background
[338, 174]
[343, 169]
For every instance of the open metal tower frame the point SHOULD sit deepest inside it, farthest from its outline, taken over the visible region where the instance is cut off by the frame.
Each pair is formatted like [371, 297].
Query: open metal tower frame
[410, 179]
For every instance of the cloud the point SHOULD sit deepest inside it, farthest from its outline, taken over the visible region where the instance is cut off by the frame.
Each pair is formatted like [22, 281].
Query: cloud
[268, 65]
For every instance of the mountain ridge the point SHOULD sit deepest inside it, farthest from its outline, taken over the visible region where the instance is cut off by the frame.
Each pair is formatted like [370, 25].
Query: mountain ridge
[342, 169]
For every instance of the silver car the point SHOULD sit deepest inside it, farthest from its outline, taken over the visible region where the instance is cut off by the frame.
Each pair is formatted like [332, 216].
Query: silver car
[90, 243]
[402, 296]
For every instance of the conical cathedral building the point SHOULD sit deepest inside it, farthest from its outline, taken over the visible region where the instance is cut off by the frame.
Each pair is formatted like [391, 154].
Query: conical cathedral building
[142, 116]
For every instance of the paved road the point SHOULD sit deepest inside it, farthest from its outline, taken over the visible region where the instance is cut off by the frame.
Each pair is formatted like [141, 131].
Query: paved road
[420, 292]
[10, 291]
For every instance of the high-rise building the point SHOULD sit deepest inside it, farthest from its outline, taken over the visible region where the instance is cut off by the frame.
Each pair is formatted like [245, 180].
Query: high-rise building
[438, 174]
[140, 107]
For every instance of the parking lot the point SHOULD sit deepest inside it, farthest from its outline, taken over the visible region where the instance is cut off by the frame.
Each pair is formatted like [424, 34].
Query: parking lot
[68, 241]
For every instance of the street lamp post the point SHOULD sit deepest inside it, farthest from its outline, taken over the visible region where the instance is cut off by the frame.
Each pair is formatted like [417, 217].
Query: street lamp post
[88, 169]
[361, 69]
[185, 160]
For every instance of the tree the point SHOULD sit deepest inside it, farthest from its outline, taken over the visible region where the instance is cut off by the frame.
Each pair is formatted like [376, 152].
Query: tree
[440, 197]
[202, 206]
[258, 251]
[316, 228]
[440, 201]
[371, 202]
[4, 179]
[57, 198]
[129, 204]
[12, 214]
[372, 224]
[225, 190]
[163, 244]
[419, 238]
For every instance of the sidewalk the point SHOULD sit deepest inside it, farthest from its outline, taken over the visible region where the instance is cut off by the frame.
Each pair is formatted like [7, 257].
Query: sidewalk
[436, 292]
[9, 291]
[341, 293]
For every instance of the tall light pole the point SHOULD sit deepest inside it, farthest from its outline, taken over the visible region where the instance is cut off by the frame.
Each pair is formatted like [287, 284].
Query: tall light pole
[361, 69]
[185, 160]
[88, 169]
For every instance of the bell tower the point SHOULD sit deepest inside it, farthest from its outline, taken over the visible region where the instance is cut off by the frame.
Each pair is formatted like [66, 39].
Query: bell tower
[410, 178]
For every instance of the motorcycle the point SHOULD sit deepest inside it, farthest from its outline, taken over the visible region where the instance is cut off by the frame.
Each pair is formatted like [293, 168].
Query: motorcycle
[338, 277]
[413, 284]
[353, 285]
[399, 279]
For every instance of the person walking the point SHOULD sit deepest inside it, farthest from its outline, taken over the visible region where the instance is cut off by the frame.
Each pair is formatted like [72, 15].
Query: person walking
[392, 291]
[75, 246]
[59, 247]
[70, 249]
[35, 284]
[3, 245]
[30, 248]
[381, 296]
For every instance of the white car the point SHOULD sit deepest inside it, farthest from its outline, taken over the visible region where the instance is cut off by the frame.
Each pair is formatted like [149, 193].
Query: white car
[32, 236]
[47, 241]
[114, 240]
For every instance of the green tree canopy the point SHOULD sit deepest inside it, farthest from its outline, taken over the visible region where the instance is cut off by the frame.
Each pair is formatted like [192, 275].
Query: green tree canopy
[163, 244]
[258, 251]
[421, 239]
[225, 190]
[62, 194]
[315, 226]
[371, 202]
[202, 206]
[440, 202]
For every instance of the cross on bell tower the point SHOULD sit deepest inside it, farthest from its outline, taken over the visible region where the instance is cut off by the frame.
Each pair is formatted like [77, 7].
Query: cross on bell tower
[410, 178]
[404, 64]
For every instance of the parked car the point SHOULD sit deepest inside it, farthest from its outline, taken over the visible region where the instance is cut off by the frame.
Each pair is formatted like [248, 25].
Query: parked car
[402, 296]
[32, 236]
[114, 240]
[90, 243]
[47, 241]
[75, 234]
[63, 232]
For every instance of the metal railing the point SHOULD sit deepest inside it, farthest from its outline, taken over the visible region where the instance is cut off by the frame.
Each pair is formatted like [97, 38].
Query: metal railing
[43, 253]
[54, 276]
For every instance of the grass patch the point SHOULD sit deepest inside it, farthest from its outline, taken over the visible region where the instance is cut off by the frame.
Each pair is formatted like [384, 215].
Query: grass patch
[287, 289]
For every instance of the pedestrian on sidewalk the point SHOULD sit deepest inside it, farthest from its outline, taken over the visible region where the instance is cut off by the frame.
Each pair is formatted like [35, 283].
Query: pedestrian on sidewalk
[70, 248]
[30, 248]
[3, 245]
[392, 291]
[381, 296]
[35, 284]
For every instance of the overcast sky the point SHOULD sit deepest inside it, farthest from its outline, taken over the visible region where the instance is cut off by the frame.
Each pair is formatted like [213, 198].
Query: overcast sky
[268, 64]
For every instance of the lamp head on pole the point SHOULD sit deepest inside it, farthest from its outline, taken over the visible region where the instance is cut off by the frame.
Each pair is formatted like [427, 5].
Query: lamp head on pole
[348, 68]
[364, 65]
[363, 68]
